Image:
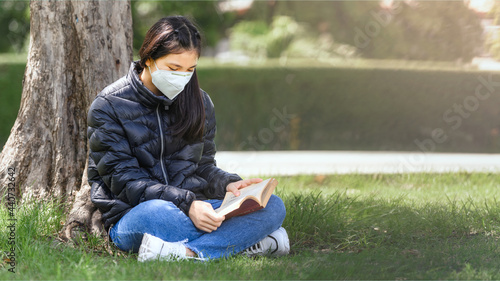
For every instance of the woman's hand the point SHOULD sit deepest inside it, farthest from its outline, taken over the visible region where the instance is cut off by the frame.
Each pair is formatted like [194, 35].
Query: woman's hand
[234, 187]
[204, 217]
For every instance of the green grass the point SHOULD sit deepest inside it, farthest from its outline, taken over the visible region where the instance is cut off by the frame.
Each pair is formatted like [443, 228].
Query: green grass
[404, 226]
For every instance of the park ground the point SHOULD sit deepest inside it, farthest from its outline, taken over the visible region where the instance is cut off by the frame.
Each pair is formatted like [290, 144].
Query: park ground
[349, 226]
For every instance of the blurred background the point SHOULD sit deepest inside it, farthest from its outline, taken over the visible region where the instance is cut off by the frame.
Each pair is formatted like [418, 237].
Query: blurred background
[325, 75]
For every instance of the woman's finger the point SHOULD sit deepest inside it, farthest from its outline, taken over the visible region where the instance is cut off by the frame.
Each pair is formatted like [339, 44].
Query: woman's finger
[255, 180]
[232, 187]
[248, 182]
[235, 186]
[208, 227]
[215, 219]
[205, 229]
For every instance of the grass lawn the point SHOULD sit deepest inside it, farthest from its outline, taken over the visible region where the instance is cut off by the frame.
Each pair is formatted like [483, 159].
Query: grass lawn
[404, 226]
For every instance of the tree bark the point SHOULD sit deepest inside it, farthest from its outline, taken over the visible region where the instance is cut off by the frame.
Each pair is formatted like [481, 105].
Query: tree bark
[76, 49]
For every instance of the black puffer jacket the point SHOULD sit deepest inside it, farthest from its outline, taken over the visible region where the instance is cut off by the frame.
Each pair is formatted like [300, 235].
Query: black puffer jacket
[134, 158]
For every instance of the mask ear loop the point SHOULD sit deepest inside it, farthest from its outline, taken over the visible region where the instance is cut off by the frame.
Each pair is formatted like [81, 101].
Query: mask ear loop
[150, 68]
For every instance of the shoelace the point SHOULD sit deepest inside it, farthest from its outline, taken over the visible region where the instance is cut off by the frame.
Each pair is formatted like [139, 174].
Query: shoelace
[257, 248]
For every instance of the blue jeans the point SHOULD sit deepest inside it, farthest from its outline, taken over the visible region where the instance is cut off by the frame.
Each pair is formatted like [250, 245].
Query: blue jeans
[164, 220]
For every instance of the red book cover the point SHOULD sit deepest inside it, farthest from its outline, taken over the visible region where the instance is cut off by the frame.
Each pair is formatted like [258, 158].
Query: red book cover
[247, 207]
[252, 198]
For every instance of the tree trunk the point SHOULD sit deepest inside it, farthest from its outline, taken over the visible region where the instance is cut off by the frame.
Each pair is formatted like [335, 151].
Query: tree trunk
[76, 49]
[271, 11]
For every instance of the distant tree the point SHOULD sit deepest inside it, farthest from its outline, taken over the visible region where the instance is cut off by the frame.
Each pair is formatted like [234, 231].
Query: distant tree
[417, 30]
[259, 39]
[429, 30]
[284, 37]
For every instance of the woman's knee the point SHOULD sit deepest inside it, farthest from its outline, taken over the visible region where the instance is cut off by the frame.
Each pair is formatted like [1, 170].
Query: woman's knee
[147, 215]
[155, 205]
[276, 207]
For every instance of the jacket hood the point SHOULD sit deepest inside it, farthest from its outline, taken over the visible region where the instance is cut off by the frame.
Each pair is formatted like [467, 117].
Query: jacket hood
[145, 95]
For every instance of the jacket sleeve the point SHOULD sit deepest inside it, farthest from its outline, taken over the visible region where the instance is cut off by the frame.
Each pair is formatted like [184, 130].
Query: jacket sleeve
[118, 168]
[217, 178]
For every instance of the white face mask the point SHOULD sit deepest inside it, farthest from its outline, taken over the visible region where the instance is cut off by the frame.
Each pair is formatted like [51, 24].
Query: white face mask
[170, 83]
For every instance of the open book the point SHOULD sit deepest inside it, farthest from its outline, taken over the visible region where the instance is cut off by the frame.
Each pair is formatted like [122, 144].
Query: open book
[252, 198]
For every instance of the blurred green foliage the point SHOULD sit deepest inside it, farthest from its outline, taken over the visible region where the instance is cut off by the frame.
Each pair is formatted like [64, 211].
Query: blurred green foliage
[493, 40]
[14, 25]
[416, 30]
[284, 37]
[430, 30]
[210, 20]
[258, 39]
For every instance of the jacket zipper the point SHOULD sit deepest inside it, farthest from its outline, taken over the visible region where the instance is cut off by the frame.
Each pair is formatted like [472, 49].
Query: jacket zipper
[161, 141]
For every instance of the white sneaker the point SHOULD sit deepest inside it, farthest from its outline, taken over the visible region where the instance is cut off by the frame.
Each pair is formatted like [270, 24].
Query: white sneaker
[154, 248]
[275, 244]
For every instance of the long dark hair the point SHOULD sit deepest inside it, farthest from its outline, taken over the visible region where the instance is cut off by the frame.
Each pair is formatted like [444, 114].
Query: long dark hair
[174, 35]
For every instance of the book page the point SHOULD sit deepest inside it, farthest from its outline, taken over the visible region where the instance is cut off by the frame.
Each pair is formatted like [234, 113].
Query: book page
[252, 190]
